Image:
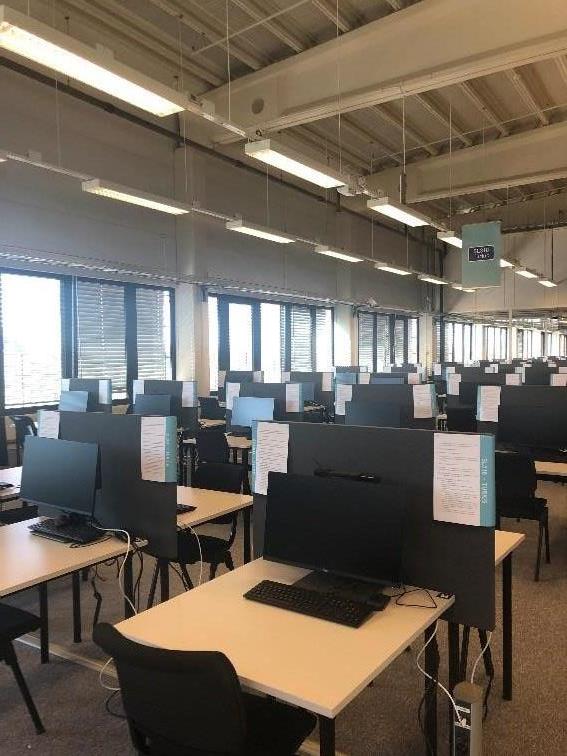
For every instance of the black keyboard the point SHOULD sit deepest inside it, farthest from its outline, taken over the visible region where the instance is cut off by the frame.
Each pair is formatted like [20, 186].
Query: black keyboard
[324, 606]
[183, 508]
[66, 532]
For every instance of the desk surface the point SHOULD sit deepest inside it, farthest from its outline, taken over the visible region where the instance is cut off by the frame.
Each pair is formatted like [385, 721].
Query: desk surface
[315, 664]
[234, 442]
[12, 475]
[558, 469]
[504, 543]
[205, 422]
[210, 504]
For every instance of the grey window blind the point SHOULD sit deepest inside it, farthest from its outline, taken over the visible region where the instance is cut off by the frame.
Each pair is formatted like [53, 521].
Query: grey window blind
[382, 342]
[467, 335]
[324, 338]
[413, 340]
[448, 342]
[30, 309]
[301, 344]
[437, 356]
[399, 342]
[101, 333]
[153, 316]
[366, 339]
[519, 343]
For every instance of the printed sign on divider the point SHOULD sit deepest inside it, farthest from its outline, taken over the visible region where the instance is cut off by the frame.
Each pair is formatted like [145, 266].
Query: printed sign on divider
[48, 423]
[232, 390]
[270, 444]
[424, 400]
[343, 394]
[487, 404]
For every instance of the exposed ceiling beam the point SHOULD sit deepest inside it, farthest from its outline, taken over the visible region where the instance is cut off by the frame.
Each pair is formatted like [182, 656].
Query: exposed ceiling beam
[387, 115]
[561, 64]
[363, 134]
[329, 10]
[519, 81]
[317, 138]
[531, 157]
[258, 13]
[399, 55]
[427, 102]
[396, 5]
[468, 88]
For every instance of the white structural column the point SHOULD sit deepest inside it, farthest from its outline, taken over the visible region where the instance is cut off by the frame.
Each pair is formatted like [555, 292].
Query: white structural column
[533, 157]
[428, 45]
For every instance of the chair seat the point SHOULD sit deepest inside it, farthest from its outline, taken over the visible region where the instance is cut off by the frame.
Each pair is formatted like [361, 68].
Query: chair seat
[526, 509]
[15, 622]
[274, 728]
[213, 548]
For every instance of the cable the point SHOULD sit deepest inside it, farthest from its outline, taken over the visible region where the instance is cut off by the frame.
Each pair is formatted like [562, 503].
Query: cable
[433, 679]
[101, 681]
[121, 570]
[479, 657]
[109, 710]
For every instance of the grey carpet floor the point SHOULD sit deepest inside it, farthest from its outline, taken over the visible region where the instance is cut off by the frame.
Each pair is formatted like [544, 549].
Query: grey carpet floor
[382, 721]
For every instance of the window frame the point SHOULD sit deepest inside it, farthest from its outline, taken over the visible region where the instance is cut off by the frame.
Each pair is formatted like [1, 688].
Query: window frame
[392, 318]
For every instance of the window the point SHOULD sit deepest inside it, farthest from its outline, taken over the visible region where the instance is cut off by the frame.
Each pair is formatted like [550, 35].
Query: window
[31, 325]
[437, 356]
[270, 341]
[101, 333]
[413, 341]
[213, 311]
[374, 340]
[240, 336]
[399, 342]
[457, 342]
[301, 335]
[449, 342]
[383, 351]
[366, 340]
[467, 342]
[153, 333]
[324, 339]
[519, 343]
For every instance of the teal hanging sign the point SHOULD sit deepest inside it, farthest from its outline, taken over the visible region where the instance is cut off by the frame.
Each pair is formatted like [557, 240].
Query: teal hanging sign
[482, 244]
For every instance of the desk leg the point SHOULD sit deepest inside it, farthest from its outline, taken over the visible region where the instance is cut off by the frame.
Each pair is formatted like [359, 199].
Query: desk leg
[507, 628]
[454, 638]
[128, 586]
[44, 628]
[247, 516]
[326, 736]
[432, 668]
[76, 607]
[193, 461]
[164, 579]
[246, 487]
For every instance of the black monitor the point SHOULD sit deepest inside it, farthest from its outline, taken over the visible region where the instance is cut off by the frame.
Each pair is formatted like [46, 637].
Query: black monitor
[60, 474]
[342, 527]
[391, 379]
[154, 404]
[308, 389]
[74, 401]
[378, 414]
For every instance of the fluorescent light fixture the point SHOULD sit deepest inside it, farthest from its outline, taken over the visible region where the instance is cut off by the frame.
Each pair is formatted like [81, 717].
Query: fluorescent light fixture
[3, 156]
[505, 263]
[397, 211]
[449, 237]
[323, 249]
[290, 161]
[426, 278]
[42, 44]
[459, 287]
[526, 273]
[251, 229]
[393, 269]
[547, 282]
[134, 196]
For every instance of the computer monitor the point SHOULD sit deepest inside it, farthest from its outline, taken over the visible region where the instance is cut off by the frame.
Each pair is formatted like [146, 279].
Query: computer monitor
[246, 409]
[349, 378]
[389, 379]
[377, 414]
[308, 389]
[74, 401]
[60, 474]
[343, 527]
[154, 404]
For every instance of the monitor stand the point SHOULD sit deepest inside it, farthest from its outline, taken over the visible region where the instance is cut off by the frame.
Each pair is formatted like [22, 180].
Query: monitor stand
[348, 588]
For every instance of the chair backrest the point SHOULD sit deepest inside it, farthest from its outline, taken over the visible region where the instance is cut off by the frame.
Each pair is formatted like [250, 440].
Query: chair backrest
[10, 516]
[515, 477]
[210, 408]
[177, 702]
[212, 445]
[219, 476]
[25, 426]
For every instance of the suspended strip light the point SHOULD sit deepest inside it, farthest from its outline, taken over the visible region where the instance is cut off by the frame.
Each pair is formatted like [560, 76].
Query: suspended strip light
[397, 211]
[505, 263]
[526, 273]
[134, 197]
[290, 161]
[459, 287]
[251, 229]
[449, 237]
[42, 44]
[323, 249]
[547, 282]
[3, 156]
[393, 269]
[426, 278]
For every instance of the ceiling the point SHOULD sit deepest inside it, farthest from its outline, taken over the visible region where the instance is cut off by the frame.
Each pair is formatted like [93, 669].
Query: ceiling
[200, 45]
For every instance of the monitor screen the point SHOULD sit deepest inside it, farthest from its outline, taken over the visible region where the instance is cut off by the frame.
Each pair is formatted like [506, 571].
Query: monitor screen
[378, 414]
[60, 474]
[391, 379]
[346, 378]
[73, 401]
[245, 409]
[339, 526]
[154, 404]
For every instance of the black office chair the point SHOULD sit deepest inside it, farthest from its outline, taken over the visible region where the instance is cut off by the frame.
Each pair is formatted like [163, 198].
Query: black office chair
[13, 624]
[212, 445]
[215, 551]
[516, 484]
[189, 703]
[461, 419]
[210, 408]
[19, 514]
[25, 426]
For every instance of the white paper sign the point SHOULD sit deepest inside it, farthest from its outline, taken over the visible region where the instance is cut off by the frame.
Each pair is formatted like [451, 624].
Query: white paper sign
[364, 378]
[153, 448]
[453, 381]
[293, 397]
[104, 391]
[551, 364]
[450, 369]
[488, 403]
[343, 393]
[271, 452]
[137, 388]
[258, 376]
[189, 394]
[286, 377]
[232, 390]
[562, 369]
[494, 367]
[65, 384]
[437, 370]
[414, 378]
[327, 384]
[222, 378]
[422, 401]
[513, 379]
[558, 379]
[387, 369]
[48, 423]
[456, 478]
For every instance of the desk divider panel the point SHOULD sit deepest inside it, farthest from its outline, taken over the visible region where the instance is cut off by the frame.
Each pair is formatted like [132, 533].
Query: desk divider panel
[323, 384]
[401, 395]
[100, 392]
[285, 395]
[237, 376]
[144, 508]
[184, 391]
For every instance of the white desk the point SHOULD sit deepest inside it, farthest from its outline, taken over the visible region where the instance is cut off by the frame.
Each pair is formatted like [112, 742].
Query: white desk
[207, 423]
[12, 476]
[505, 543]
[318, 665]
[554, 471]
